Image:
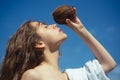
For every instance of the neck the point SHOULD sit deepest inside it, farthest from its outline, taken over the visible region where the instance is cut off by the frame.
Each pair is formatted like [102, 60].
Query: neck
[51, 59]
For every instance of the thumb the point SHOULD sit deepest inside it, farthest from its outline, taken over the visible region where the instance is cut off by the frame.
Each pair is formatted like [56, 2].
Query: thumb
[69, 23]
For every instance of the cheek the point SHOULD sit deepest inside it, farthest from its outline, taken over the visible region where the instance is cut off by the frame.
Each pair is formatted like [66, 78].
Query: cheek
[52, 37]
[48, 36]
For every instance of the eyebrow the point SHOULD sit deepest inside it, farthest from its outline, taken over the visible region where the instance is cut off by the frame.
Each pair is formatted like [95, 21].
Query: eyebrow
[43, 23]
[40, 24]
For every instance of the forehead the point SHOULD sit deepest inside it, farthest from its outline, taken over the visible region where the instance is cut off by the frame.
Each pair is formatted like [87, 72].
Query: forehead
[36, 23]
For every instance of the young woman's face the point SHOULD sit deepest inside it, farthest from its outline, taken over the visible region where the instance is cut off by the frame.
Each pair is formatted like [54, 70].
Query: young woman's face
[50, 34]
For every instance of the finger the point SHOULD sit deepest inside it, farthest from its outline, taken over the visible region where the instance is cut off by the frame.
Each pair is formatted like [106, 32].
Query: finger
[69, 22]
[74, 9]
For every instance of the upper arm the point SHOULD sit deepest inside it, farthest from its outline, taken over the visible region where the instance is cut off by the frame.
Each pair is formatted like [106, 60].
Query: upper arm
[106, 66]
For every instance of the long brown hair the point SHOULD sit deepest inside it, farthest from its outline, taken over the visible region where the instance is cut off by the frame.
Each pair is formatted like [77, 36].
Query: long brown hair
[20, 53]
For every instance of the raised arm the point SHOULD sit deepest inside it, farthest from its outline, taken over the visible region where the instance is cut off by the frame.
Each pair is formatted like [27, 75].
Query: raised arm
[98, 50]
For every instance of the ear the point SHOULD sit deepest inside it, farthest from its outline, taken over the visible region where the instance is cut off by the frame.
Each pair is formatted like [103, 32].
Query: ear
[40, 45]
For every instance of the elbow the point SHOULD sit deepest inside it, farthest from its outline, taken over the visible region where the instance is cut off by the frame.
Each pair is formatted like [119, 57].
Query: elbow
[107, 67]
[111, 66]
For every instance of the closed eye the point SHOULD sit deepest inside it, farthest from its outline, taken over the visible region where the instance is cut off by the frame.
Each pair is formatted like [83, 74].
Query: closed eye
[46, 26]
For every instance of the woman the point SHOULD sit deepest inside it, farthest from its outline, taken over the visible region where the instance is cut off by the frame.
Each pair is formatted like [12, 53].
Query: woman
[33, 54]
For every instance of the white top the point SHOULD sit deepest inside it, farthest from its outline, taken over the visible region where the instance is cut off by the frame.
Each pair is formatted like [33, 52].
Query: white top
[91, 71]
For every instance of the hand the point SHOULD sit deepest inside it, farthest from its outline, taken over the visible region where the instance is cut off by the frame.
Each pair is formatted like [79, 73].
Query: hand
[76, 24]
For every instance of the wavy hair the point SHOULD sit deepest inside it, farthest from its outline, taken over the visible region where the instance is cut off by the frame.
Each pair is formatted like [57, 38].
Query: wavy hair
[20, 53]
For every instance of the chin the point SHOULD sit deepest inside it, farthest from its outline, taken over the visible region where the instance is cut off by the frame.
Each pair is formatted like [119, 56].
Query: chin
[65, 36]
[61, 41]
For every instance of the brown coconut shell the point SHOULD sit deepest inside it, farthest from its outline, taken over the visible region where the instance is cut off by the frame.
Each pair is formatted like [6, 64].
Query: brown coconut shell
[61, 13]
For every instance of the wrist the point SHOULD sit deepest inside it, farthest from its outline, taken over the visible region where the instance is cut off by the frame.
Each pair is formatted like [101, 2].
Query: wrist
[78, 28]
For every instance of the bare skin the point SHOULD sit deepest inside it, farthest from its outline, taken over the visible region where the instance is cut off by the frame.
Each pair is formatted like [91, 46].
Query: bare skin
[49, 69]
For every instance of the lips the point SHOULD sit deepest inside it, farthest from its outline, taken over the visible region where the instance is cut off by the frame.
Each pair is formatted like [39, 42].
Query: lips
[60, 30]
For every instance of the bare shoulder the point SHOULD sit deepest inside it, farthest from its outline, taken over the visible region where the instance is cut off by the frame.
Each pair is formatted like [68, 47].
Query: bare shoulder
[30, 75]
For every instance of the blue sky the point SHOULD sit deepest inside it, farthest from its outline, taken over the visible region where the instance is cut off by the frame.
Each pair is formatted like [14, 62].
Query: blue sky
[100, 17]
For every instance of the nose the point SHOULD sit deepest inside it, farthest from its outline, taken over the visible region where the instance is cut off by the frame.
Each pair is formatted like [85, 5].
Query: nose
[54, 26]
